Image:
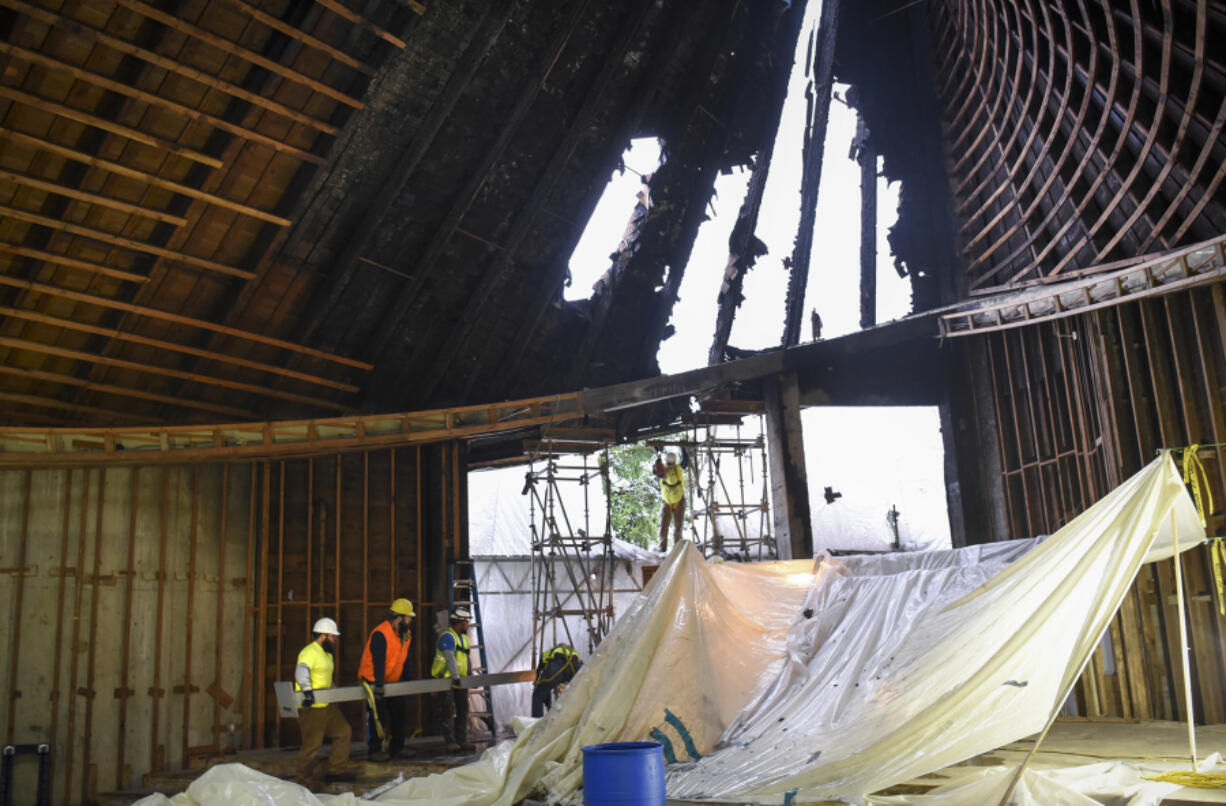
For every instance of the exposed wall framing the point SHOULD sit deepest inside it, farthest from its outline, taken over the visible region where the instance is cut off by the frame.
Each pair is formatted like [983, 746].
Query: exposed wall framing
[156, 605]
[1082, 403]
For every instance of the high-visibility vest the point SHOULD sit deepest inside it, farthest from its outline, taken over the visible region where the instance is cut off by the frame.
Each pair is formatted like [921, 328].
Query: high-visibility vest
[673, 484]
[569, 661]
[397, 651]
[439, 667]
[320, 662]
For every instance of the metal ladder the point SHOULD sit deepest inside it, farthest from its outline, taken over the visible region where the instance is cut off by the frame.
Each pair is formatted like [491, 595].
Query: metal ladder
[462, 592]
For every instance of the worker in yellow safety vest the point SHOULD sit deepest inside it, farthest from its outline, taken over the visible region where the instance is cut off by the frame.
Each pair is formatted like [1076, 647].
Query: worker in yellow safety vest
[317, 720]
[557, 668]
[385, 659]
[451, 660]
[672, 489]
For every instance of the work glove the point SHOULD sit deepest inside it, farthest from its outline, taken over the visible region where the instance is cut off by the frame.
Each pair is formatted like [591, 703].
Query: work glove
[378, 690]
[308, 698]
[455, 683]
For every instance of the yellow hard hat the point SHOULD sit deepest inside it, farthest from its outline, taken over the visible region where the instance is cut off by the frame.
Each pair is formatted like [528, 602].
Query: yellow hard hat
[403, 607]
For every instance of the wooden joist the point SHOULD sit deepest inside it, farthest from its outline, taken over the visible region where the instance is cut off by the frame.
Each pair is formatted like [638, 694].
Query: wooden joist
[179, 319]
[55, 403]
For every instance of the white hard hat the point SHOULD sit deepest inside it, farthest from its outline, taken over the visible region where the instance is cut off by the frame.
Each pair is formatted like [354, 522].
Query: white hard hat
[460, 614]
[326, 626]
[670, 456]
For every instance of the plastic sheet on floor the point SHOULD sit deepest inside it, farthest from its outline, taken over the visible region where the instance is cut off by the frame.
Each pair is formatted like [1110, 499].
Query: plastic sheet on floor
[837, 678]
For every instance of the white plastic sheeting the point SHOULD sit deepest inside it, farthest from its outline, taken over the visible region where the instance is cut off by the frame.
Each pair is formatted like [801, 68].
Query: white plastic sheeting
[842, 677]
[900, 668]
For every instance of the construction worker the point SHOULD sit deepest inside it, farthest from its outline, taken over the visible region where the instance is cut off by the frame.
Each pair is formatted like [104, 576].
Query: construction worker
[556, 669]
[451, 660]
[672, 488]
[317, 720]
[385, 659]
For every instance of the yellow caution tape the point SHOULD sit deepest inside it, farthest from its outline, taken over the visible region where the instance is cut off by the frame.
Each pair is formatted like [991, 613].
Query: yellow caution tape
[1202, 780]
[1194, 476]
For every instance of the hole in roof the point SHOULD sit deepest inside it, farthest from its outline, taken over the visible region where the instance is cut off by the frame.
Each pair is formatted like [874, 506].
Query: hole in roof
[609, 222]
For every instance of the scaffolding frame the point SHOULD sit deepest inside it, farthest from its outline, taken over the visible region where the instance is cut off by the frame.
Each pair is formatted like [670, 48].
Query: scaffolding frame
[572, 569]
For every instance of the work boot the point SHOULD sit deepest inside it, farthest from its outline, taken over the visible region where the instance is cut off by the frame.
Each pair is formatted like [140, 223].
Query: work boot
[451, 745]
[403, 752]
[467, 746]
[379, 755]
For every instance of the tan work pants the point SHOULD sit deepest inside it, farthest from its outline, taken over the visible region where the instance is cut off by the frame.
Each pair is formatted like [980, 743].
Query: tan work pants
[316, 724]
[675, 513]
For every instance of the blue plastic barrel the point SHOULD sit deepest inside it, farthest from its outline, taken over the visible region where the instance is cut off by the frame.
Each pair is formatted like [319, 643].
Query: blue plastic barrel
[622, 773]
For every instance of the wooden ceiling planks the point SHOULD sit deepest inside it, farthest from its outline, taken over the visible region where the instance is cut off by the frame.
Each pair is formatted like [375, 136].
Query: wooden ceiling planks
[95, 86]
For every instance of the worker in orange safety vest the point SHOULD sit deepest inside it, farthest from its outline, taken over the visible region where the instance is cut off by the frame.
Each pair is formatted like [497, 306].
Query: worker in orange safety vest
[385, 659]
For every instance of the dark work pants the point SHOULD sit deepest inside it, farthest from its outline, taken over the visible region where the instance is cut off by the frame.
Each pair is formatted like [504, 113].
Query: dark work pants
[453, 715]
[675, 513]
[390, 712]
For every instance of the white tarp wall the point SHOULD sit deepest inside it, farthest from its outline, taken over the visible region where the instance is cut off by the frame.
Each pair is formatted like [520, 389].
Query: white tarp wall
[907, 663]
[500, 543]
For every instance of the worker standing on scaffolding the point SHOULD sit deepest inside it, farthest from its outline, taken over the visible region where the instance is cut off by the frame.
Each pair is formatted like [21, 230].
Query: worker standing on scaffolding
[672, 488]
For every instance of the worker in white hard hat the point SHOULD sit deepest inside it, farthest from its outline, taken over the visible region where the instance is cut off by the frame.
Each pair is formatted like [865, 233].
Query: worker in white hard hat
[672, 489]
[385, 659]
[318, 720]
[451, 660]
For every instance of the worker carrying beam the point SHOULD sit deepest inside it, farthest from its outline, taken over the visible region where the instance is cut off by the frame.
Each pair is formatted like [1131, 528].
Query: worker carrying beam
[318, 721]
[672, 489]
[451, 660]
[385, 659]
[556, 669]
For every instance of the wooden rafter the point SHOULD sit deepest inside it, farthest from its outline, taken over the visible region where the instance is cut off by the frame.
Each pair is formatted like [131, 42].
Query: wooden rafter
[159, 101]
[124, 243]
[71, 262]
[170, 65]
[250, 56]
[179, 319]
[70, 113]
[306, 39]
[150, 369]
[53, 188]
[141, 176]
[124, 391]
[55, 403]
[209, 355]
[341, 10]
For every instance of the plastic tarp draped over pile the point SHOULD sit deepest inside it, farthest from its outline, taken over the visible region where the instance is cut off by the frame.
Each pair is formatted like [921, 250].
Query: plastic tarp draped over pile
[839, 677]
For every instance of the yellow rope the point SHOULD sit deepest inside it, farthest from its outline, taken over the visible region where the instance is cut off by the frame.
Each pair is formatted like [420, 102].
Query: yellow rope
[1217, 550]
[1194, 476]
[1202, 780]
